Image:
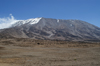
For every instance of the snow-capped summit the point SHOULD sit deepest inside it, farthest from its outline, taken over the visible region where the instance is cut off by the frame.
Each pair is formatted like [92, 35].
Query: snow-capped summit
[33, 21]
[28, 21]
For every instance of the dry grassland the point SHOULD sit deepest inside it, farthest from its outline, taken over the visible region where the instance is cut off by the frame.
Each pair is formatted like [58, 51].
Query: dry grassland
[29, 52]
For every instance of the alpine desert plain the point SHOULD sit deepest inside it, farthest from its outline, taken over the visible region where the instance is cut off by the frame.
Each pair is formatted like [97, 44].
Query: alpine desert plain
[29, 52]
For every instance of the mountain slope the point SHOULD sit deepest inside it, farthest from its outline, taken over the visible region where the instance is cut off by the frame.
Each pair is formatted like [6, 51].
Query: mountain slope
[58, 29]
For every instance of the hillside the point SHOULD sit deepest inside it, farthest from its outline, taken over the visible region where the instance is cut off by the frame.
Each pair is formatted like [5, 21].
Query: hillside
[53, 29]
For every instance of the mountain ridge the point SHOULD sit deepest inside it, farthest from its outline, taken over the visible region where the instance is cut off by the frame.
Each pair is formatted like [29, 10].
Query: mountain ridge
[53, 29]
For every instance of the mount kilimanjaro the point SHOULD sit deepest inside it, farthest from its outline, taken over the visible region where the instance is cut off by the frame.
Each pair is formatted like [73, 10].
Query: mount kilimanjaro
[52, 29]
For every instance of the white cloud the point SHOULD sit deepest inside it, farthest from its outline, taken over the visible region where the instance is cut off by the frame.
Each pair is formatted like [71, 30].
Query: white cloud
[7, 21]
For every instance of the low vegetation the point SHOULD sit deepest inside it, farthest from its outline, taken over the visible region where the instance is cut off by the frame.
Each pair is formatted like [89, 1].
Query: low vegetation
[29, 52]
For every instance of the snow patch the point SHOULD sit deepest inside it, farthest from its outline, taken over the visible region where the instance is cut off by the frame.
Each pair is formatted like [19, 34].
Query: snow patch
[71, 25]
[58, 20]
[28, 21]
[34, 21]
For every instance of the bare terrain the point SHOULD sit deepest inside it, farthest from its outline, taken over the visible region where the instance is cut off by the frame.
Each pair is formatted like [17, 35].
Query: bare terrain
[29, 52]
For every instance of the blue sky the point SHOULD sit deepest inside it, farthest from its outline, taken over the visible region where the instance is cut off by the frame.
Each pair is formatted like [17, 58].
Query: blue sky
[86, 10]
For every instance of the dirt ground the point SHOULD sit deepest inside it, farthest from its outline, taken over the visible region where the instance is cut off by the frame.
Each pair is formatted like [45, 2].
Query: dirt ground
[28, 52]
